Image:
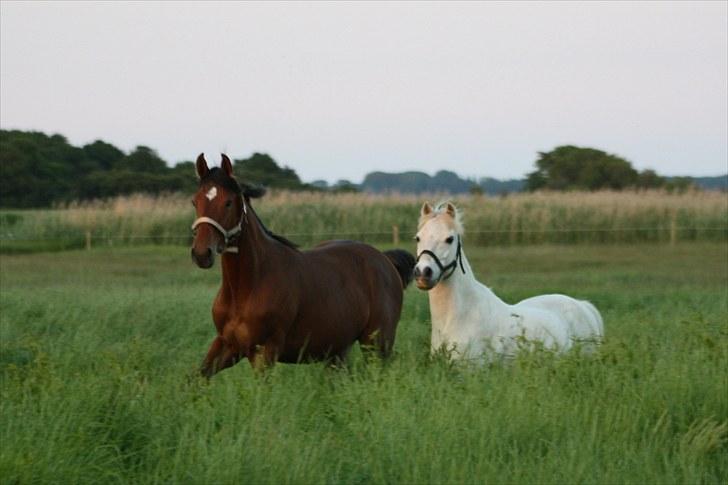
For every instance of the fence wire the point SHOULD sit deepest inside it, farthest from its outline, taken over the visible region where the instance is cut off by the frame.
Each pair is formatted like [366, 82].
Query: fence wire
[669, 233]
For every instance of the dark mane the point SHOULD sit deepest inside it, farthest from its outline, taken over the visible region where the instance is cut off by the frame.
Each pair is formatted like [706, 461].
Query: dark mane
[277, 237]
[218, 176]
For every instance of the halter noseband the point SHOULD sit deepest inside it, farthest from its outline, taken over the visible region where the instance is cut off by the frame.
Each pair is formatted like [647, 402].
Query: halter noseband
[227, 234]
[452, 266]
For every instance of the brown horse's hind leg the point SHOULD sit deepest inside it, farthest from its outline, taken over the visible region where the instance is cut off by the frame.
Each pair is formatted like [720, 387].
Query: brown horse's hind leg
[377, 341]
[379, 334]
[219, 357]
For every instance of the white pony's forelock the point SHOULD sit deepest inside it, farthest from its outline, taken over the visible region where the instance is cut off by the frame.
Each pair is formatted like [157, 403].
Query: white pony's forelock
[441, 208]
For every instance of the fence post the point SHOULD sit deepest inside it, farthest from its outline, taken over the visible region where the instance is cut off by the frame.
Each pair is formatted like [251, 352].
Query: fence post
[88, 240]
[673, 229]
[395, 235]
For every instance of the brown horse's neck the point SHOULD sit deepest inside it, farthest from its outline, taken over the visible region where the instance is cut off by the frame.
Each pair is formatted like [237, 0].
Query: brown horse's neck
[241, 270]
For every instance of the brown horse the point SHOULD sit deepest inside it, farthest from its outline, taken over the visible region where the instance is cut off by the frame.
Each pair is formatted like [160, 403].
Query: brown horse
[279, 304]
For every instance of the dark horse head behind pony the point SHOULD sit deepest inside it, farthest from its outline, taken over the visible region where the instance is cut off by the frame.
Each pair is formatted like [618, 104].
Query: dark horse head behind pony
[279, 304]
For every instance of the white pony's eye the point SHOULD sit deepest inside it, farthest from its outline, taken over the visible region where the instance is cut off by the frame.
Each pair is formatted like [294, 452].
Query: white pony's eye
[449, 240]
[417, 238]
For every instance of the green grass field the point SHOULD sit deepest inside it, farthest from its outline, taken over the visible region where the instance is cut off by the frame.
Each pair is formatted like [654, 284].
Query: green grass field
[97, 349]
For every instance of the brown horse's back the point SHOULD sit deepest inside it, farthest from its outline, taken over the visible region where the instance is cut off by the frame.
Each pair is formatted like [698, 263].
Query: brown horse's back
[349, 291]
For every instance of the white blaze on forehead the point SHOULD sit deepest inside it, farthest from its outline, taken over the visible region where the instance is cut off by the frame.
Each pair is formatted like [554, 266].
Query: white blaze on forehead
[211, 194]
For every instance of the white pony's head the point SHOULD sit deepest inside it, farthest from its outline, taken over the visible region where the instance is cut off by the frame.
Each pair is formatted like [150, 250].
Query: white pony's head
[439, 245]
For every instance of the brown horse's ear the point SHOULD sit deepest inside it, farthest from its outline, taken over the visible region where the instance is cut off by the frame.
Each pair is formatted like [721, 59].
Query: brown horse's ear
[451, 210]
[426, 209]
[201, 166]
[227, 165]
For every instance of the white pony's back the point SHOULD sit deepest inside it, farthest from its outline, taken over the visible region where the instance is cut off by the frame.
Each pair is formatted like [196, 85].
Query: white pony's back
[581, 319]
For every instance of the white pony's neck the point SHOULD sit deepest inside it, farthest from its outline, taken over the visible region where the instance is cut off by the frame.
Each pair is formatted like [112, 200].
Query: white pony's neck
[454, 301]
[448, 295]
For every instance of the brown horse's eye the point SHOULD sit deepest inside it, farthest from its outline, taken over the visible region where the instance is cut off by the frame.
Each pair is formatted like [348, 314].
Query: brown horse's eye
[194, 203]
[449, 240]
[228, 204]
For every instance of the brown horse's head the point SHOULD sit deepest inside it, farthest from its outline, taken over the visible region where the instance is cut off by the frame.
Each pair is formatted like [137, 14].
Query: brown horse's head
[219, 203]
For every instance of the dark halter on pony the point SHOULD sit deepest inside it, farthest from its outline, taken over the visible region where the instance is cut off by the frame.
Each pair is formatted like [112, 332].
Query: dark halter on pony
[452, 266]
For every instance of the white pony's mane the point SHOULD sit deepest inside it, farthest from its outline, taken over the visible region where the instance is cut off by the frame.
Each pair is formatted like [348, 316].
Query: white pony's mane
[442, 209]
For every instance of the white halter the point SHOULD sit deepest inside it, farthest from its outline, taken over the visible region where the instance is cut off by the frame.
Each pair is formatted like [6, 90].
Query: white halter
[226, 234]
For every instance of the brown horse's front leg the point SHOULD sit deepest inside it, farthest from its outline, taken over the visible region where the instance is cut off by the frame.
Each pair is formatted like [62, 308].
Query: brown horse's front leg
[264, 356]
[219, 357]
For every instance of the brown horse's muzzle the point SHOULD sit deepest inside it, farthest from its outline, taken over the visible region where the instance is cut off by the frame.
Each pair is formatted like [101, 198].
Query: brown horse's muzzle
[204, 259]
[206, 242]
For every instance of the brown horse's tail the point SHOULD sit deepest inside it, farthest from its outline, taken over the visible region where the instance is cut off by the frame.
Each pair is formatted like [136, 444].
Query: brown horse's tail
[404, 262]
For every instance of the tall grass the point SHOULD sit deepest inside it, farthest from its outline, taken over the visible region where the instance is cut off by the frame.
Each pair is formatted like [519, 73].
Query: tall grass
[98, 352]
[575, 217]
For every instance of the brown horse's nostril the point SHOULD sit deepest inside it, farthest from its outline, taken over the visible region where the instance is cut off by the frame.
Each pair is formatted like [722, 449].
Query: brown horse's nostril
[203, 260]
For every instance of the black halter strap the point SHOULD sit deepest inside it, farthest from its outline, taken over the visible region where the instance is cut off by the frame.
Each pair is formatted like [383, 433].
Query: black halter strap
[451, 267]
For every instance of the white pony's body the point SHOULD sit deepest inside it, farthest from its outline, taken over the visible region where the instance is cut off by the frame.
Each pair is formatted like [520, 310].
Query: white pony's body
[469, 320]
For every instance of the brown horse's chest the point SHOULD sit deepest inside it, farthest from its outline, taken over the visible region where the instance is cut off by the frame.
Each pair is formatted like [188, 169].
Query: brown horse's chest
[241, 324]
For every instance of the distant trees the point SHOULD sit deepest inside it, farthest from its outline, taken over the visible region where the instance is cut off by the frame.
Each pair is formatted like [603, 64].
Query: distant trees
[261, 169]
[416, 182]
[442, 181]
[142, 170]
[106, 155]
[38, 170]
[570, 167]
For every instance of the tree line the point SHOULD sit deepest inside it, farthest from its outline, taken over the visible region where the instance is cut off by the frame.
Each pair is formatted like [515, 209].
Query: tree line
[39, 170]
[565, 167]
[569, 167]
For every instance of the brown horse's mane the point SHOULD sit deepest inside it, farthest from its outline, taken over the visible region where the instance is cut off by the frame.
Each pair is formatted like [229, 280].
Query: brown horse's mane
[219, 177]
[277, 237]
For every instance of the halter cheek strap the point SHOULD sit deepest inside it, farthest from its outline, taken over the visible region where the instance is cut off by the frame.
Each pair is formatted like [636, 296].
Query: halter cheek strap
[451, 267]
[228, 235]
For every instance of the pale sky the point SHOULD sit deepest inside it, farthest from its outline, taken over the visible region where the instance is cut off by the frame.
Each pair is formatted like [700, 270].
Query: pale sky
[337, 90]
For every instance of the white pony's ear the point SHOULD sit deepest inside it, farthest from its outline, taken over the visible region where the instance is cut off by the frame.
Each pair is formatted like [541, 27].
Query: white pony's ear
[451, 210]
[426, 209]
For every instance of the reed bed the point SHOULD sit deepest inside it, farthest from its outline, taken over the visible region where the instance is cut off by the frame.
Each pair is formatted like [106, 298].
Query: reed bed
[529, 218]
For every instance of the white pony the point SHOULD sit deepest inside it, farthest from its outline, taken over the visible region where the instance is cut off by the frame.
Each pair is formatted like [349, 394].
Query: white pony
[469, 319]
